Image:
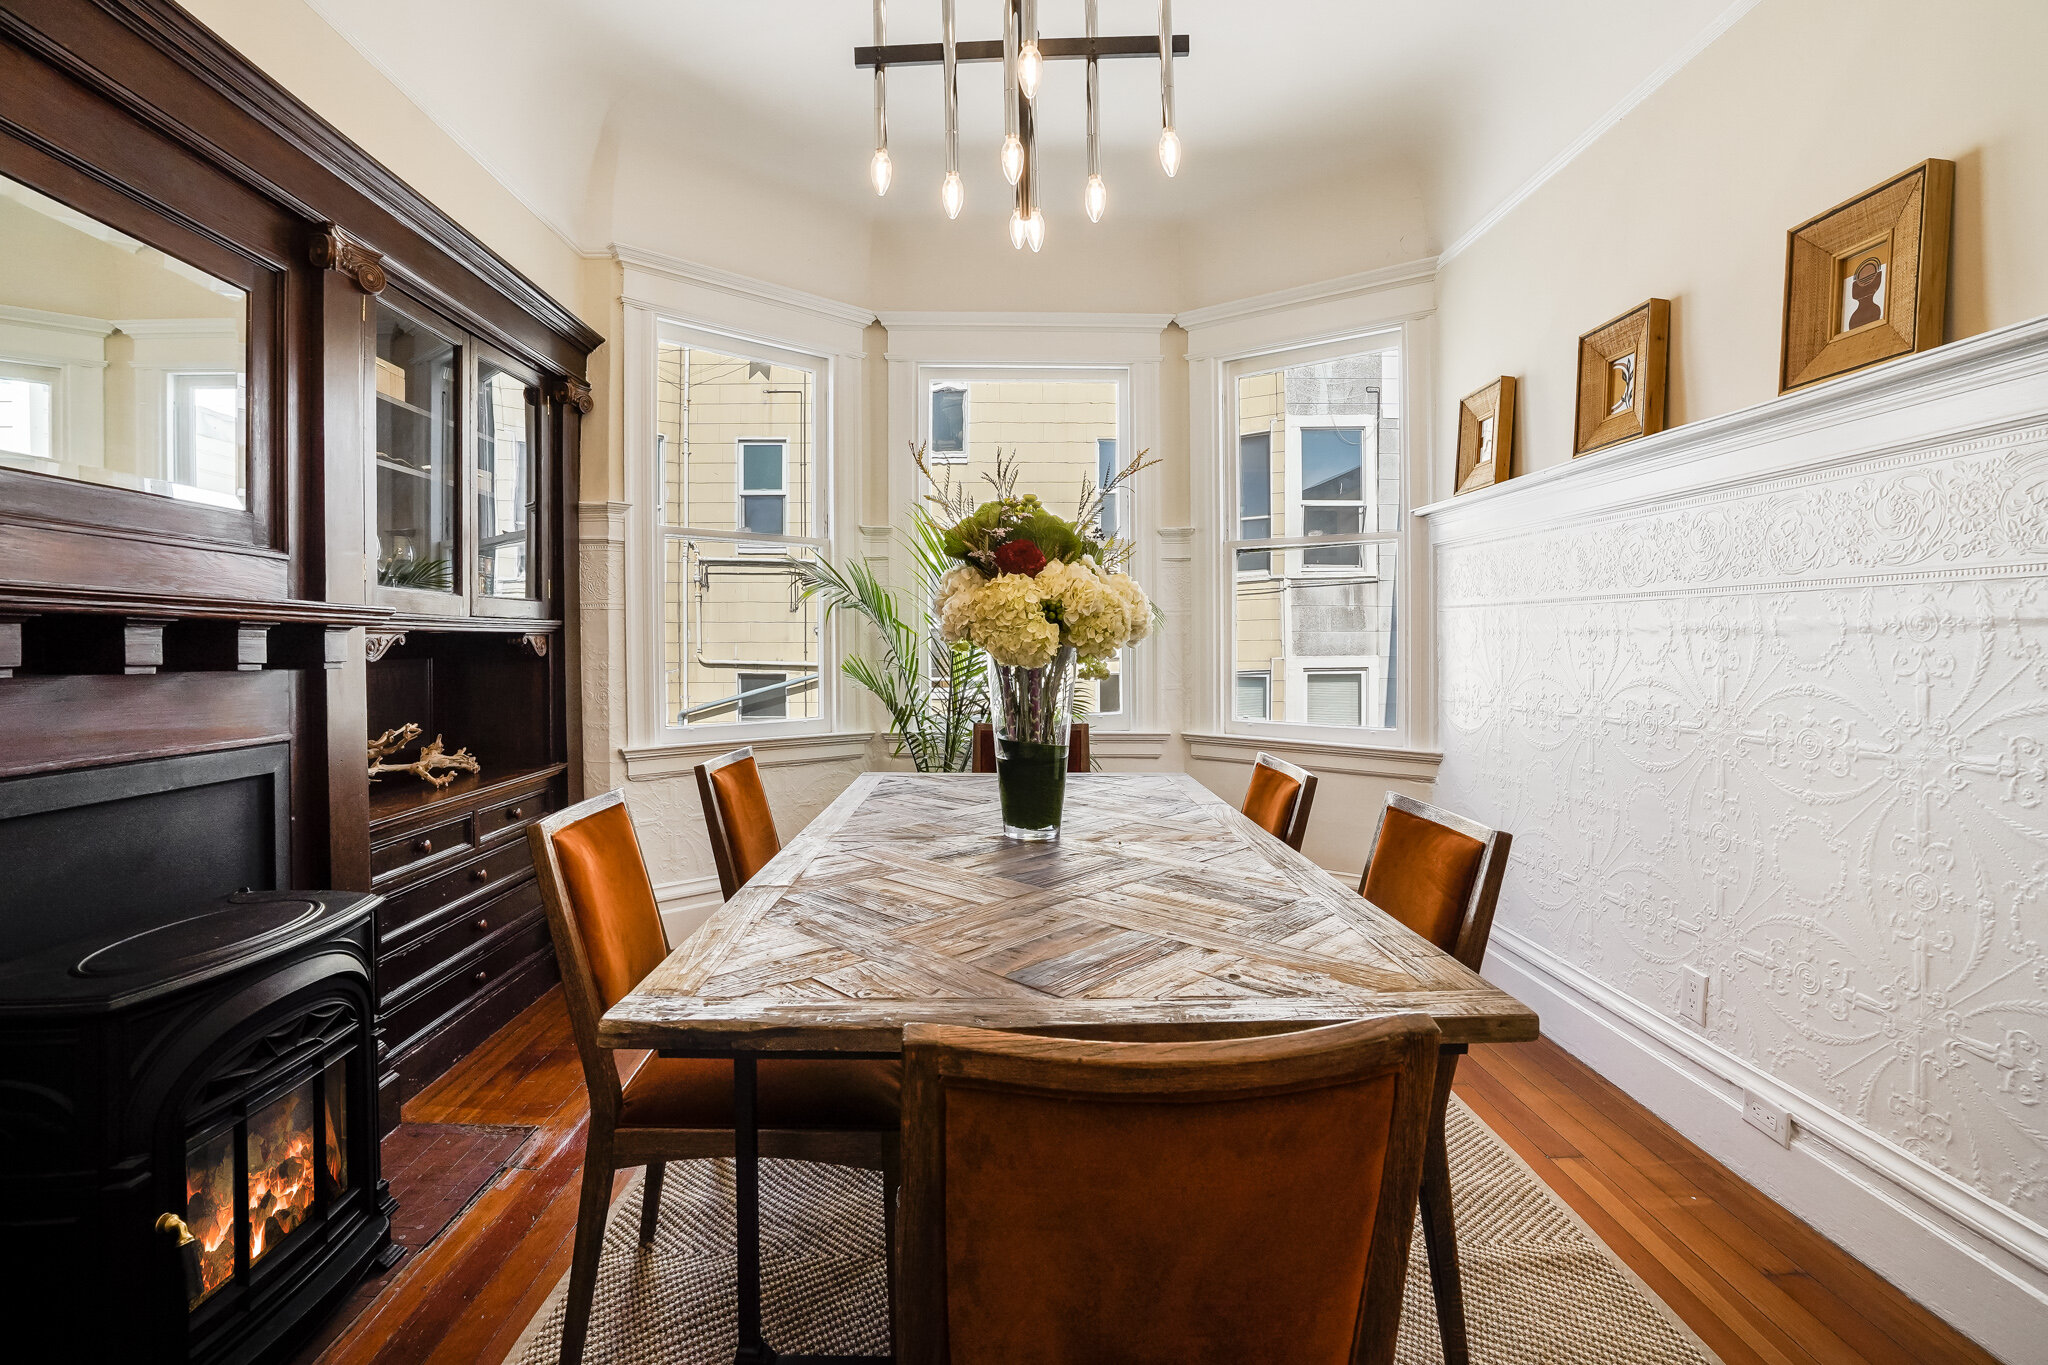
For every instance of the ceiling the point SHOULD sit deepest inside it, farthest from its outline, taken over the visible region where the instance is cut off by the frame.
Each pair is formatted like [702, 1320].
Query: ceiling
[1466, 98]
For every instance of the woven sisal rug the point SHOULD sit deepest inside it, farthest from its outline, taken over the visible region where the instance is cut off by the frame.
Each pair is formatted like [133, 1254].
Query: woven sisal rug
[1540, 1288]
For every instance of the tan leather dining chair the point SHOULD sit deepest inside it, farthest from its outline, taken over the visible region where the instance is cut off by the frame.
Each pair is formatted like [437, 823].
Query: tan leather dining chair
[737, 817]
[1439, 873]
[985, 748]
[647, 1110]
[1279, 798]
[1069, 1202]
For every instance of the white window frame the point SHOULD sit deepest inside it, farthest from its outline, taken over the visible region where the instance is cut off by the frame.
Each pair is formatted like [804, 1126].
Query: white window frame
[1265, 678]
[650, 726]
[935, 377]
[50, 377]
[1213, 381]
[1368, 469]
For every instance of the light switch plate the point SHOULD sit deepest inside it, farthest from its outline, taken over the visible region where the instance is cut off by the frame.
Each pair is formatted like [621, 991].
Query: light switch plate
[1767, 1118]
[1694, 1006]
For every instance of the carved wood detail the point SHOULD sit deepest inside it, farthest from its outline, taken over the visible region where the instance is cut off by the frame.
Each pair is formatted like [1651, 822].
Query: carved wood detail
[536, 645]
[334, 249]
[570, 393]
[378, 643]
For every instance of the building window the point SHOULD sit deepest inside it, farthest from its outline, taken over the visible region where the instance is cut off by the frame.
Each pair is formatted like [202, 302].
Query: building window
[764, 696]
[737, 441]
[764, 490]
[1254, 696]
[1318, 497]
[1334, 698]
[1105, 470]
[949, 421]
[1255, 498]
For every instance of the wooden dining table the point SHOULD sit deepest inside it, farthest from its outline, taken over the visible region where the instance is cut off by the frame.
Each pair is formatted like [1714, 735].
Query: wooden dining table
[1160, 913]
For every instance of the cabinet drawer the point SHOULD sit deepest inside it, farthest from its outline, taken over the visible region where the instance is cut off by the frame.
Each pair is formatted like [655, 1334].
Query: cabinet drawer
[471, 974]
[453, 936]
[507, 816]
[404, 913]
[417, 851]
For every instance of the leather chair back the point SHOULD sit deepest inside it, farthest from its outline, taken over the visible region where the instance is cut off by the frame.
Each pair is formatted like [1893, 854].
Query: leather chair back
[1068, 1202]
[1279, 798]
[601, 911]
[1438, 873]
[737, 817]
[985, 748]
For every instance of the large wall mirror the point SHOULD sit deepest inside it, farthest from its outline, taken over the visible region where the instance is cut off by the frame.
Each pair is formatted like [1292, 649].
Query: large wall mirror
[119, 364]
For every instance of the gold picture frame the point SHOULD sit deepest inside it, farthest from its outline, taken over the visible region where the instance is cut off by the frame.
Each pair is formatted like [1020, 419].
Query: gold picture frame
[1486, 436]
[1621, 378]
[1867, 281]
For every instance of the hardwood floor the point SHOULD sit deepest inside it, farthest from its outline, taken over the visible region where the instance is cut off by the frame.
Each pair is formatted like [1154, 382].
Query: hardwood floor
[1755, 1283]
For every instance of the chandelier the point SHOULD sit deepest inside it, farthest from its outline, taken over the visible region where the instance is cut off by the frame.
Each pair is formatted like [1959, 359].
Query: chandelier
[1023, 55]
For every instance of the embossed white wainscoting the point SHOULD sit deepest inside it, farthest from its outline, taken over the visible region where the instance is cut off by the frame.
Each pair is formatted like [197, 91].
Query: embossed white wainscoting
[1767, 697]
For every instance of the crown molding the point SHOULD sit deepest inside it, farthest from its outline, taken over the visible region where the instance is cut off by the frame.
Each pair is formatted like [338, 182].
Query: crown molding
[1421, 270]
[678, 270]
[1649, 86]
[1149, 323]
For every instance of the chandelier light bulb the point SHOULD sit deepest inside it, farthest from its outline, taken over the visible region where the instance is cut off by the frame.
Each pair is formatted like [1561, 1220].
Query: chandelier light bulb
[1030, 66]
[1095, 198]
[1034, 230]
[1013, 158]
[1169, 152]
[880, 172]
[952, 194]
[1017, 228]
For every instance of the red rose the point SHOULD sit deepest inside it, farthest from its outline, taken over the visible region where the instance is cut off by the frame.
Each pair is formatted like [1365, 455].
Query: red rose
[1019, 556]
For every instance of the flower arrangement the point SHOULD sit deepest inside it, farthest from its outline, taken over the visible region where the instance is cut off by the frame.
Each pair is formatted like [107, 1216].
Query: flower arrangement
[1028, 582]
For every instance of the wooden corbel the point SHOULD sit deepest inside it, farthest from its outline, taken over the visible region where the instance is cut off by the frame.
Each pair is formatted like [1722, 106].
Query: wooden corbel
[334, 249]
[570, 393]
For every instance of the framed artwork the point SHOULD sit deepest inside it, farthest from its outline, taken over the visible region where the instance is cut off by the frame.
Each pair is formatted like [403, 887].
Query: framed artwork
[1621, 378]
[1868, 280]
[1486, 435]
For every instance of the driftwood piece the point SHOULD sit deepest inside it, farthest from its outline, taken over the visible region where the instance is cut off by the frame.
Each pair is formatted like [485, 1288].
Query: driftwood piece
[433, 766]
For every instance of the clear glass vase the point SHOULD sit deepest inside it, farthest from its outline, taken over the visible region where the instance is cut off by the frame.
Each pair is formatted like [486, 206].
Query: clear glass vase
[1032, 709]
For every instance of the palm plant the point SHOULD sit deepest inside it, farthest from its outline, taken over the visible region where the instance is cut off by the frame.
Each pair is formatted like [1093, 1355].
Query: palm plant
[934, 693]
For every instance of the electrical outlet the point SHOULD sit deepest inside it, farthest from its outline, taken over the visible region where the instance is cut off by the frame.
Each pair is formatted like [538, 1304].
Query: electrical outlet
[1767, 1118]
[1695, 1005]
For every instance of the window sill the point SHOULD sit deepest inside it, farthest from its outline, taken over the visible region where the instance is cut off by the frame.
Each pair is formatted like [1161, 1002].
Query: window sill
[1323, 756]
[648, 762]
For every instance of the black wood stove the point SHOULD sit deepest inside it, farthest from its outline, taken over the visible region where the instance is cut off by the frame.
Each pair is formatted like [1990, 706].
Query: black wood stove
[188, 1151]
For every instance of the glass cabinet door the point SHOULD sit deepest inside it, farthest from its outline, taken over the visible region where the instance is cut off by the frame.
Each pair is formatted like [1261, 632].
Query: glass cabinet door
[507, 451]
[417, 468]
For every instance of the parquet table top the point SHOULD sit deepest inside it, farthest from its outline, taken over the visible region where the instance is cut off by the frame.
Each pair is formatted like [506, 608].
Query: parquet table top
[1160, 912]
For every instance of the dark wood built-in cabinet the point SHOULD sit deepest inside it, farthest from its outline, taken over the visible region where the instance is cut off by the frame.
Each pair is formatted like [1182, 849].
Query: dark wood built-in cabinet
[285, 456]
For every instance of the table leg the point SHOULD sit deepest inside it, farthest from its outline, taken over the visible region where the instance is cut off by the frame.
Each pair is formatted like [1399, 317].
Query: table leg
[753, 1349]
[1439, 1233]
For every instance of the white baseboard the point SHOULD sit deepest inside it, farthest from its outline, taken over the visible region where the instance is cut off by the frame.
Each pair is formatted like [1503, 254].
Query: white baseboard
[1968, 1260]
[686, 904]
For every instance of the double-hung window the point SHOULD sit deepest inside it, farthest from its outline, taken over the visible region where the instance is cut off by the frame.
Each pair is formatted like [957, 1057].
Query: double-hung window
[28, 405]
[1316, 503]
[1064, 431]
[742, 511]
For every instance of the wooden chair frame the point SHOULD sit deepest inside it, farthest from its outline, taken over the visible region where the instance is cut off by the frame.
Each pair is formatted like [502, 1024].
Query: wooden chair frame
[1475, 927]
[984, 748]
[934, 1055]
[610, 1147]
[1296, 827]
[715, 822]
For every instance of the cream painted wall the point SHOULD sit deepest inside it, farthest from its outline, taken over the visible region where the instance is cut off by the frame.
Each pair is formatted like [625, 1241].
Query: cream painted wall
[1799, 106]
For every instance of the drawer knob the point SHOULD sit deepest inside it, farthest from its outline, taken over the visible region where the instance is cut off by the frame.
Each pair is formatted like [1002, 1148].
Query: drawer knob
[423, 845]
[481, 974]
[482, 874]
[516, 813]
[482, 922]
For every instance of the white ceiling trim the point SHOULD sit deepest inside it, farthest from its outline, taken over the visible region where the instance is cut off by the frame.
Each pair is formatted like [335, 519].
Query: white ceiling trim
[676, 269]
[1151, 323]
[1323, 291]
[1649, 86]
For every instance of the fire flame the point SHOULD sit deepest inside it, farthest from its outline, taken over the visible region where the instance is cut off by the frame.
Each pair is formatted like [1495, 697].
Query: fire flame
[210, 1213]
[280, 1170]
